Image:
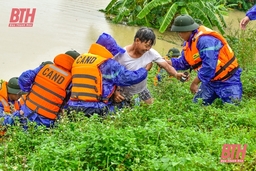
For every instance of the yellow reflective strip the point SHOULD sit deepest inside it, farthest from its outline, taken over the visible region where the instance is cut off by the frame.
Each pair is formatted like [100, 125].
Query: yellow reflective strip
[4, 102]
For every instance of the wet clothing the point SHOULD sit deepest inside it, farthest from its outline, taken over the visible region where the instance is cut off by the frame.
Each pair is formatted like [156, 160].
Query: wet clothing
[113, 74]
[209, 48]
[134, 64]
[47, 87]
[48, 91]
[8, 109]
[87, 79]
[226, 63]
[251, 13]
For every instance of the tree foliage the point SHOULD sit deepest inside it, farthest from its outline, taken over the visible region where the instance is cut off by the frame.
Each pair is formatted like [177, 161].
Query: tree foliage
[160, 14]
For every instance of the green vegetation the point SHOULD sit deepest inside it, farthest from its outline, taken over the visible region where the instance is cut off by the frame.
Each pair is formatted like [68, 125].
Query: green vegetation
[242, 5]
[160, 14]
[172, 134]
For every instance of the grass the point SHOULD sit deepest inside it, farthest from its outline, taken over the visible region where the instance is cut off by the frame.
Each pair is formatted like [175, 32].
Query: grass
[173, 134]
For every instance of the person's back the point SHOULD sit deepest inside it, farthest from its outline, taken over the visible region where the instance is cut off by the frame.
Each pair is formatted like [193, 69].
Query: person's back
[96, 75]
[47, 87]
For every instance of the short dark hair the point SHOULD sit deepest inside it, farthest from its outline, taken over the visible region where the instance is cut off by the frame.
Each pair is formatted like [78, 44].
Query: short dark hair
[146, 34]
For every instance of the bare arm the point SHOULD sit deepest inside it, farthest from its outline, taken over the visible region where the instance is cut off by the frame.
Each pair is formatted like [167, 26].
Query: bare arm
[170, 70]
[169, 62]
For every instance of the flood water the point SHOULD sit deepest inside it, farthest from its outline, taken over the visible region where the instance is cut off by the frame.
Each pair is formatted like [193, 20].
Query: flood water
[61, 25]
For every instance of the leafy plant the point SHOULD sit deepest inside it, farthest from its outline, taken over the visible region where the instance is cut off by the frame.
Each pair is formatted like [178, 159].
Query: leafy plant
[171, 134]
[161, 13]
[241, 43]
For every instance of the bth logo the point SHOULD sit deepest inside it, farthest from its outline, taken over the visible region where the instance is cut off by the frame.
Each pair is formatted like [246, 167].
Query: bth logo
[231, 153]
[22, 17]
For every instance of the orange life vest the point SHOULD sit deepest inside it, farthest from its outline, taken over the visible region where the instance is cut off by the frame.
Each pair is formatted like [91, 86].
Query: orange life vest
[8, 108]
[227, 62]
[87, 77]
[23, 99]
[49, 91]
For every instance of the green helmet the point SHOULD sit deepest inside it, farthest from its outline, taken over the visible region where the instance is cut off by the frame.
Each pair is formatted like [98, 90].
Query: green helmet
[13, 86]
[173, 52]
[46, 62]
[73, 53]
[184, 23]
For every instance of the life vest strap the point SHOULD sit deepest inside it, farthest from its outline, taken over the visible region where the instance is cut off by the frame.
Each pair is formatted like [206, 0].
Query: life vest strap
[85, 76]
[46, 99]
[39, 106]
[196, 65]
[224, 67]
[99, 98]
[86, 86]
[4, 102]
[229, 74]
[52, 92]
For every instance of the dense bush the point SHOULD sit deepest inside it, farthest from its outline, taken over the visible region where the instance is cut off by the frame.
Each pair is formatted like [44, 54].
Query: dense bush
[171, 134]
[242, 5]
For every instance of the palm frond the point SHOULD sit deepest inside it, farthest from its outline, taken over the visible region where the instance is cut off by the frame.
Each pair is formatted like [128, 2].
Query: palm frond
[110, 5]
[147, 8]
[183, 10]
[122, 11]
[168, 17]
[199, 13]
[214, 19]
[219, 13]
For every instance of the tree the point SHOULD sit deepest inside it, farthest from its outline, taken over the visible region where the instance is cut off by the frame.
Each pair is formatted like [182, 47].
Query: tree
[161, 13]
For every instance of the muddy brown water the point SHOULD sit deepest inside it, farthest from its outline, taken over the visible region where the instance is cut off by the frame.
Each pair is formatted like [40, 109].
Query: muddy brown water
[61, 25]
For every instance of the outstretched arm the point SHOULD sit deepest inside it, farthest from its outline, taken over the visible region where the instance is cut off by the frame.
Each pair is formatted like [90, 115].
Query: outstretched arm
[171, 70]
[250, 15]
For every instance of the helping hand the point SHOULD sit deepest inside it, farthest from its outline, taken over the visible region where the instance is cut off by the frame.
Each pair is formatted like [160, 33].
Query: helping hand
[194, 85]
[244, 22]
[117, 95]
[194, 88]
[21, 112]
[182, 76]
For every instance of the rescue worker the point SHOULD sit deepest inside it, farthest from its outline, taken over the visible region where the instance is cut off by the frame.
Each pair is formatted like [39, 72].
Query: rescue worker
[207, 52]
[95, 76]
[10, 93]
[23, 97]
[48, 89]
[172, 53]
